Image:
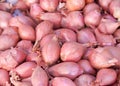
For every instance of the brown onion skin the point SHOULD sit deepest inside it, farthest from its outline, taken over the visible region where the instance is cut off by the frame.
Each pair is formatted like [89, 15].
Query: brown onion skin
[53, 17]
[72, 51]
[86, 36]
[66, 35]
[39, 77]
[49, 5]
[66, 69]
[4, 75]
[58, 81]
[76, 23]
[75, 5]
[106, 77]
[84, 80]
[25, 69]
[102, 58]
[87, 67]
[48, 56]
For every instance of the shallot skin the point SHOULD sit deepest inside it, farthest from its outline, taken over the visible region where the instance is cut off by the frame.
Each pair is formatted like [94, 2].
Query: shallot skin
[72, 51]
[84, 79]
[66, 69]
[75, 5]
[103, 58]
[114, 8]
[49, 5]
[25, 70]
[87, 67]
[66, 35]
[105, 4]
[106, 77]
[39, 77]
[58, 81]
[4, 17]
[86, 36]
[4, 75]
[60, 42]
[76, 23]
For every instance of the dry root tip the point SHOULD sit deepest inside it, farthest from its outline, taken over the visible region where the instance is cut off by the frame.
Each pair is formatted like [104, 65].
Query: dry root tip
[96, 83]
[15, 76]
[36, 46]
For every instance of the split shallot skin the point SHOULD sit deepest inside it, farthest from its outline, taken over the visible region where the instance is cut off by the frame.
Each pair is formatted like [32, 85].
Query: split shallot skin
[60, 42]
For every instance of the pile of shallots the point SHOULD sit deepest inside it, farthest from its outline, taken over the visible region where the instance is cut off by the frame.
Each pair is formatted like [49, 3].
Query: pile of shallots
[59, 42]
